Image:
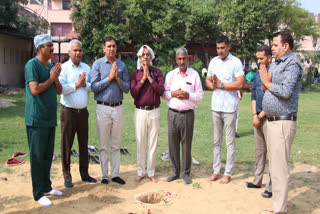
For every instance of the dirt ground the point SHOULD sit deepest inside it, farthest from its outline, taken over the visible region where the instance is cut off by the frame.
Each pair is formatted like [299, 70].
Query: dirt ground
[200, 197]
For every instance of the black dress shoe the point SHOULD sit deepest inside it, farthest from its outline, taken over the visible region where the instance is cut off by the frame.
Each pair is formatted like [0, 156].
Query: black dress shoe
[118, 180]
[68, 184]
[266, 194]
[237, 135]
[104, 181]
[251, 185]
[172, 178]
[187, 180]
[90, 179]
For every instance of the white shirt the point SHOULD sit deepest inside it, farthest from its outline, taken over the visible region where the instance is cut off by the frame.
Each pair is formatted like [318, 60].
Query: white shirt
[226, 70]
[190, 82]
[72, 97]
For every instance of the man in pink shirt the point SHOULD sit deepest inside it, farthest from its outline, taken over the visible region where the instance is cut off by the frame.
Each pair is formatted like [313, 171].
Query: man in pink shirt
[183, 90]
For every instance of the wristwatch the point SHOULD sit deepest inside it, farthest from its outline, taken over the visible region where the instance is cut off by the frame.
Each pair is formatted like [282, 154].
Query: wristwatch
[259, 117]
[222, 85]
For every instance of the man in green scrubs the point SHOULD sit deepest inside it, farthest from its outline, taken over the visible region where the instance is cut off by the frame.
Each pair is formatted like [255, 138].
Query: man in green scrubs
[42, 86]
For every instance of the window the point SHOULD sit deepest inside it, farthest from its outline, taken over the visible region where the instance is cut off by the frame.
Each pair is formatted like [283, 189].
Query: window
[36, 1]
[11, 55]
[61, 29]
[66, 4]
[17, 56]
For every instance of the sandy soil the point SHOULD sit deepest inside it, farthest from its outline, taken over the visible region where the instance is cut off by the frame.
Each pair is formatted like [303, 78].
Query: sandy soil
[200, 197]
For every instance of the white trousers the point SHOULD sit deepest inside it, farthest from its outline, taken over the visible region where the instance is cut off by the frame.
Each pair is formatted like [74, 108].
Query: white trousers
[147, 124]
[109, 121]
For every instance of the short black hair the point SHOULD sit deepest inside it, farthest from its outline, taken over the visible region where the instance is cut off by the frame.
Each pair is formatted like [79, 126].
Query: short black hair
[109, 38]
[223, 38]
[285, 38]
[266, 49]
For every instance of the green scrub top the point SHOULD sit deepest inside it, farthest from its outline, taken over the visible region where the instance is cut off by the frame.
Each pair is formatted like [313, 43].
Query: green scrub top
[40, 110]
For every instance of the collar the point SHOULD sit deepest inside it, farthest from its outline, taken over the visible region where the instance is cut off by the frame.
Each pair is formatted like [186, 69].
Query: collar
[72, 64]
[284, 57]
[107, 61]
[227, 58]
[187, 72]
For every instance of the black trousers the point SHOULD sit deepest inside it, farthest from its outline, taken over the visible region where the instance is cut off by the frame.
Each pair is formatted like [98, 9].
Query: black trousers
[74, 122]
[180, 129]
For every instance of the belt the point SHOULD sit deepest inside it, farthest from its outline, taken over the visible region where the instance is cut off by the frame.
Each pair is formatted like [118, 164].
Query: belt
[74, 109]
[285, 117]
[147, 107]
[181, 112]
[110, 104]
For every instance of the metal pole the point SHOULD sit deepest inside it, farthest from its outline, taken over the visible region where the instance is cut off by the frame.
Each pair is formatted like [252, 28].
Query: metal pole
[59, 42]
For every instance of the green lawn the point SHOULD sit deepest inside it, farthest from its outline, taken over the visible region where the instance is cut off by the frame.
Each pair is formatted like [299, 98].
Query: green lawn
[305, 148]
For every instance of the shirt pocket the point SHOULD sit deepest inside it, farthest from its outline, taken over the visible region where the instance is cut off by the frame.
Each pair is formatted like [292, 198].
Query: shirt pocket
[189, 86]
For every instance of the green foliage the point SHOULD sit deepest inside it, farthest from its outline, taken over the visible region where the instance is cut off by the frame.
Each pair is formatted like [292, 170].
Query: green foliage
[198, 66]
[312, 58]
[96, 19]
[297, 21]
[202, 24]
[249, 23]
[169, 24]
[131, 65]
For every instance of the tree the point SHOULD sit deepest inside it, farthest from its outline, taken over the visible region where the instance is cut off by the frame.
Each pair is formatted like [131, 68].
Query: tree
[248, 23]
[297, 21]
[202, 24]
[27, 23]
[96, 19]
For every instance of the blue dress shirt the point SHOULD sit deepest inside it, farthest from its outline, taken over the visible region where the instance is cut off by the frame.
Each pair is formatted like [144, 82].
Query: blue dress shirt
[104, 90]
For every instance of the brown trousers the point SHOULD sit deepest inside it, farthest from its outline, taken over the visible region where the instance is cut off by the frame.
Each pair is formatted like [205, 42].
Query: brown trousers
[74, 122]
[260, 139]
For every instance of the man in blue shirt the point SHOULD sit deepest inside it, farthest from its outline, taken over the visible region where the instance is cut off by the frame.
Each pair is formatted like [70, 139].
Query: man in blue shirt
[259, 121]
[109, 79]
[74, 79]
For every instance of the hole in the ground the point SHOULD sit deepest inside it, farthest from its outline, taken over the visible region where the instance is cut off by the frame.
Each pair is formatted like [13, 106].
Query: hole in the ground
[153, 197]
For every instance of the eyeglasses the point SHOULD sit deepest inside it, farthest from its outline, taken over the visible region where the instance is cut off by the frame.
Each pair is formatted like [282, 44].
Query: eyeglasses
[146, 54]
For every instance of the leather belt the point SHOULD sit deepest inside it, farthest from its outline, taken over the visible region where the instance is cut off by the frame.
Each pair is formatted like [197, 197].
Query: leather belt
[148, 108]
[74, 109]
[181, 112]
[285, 117]
[110, 104]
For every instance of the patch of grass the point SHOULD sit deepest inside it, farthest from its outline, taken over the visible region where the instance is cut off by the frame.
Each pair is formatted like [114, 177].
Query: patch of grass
[13, 132]
[196, 185]
[6, 170]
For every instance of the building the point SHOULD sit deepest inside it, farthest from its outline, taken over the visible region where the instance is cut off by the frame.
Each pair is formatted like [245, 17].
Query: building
[57, 13]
